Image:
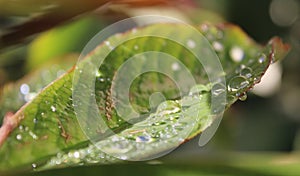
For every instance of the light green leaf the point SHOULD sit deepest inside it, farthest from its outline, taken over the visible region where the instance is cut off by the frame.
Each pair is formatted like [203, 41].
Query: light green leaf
[46, 131]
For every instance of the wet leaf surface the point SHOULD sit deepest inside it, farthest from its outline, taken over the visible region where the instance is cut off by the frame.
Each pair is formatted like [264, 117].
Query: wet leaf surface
[46, 133]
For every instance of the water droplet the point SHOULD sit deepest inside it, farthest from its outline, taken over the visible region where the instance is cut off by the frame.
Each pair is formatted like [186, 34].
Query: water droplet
[76, 154]
[237, 83]
[101, 79]
[273, 59]
[34, 136]
[142, 139]
[35, 120]
[243, 97]
[19, 137]
[246, 72]
[236, 54]
[34, 166]
[191, 44]
[218, 89]
[136, 47]
[53, 109]
[98, 73]
[107, 43]
[218, 46]
[262, 59]
[21, 127]
[24, 89]
[175, 66]
[204, 27]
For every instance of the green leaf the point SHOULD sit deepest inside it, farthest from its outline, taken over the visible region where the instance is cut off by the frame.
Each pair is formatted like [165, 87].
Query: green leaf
[45, 132]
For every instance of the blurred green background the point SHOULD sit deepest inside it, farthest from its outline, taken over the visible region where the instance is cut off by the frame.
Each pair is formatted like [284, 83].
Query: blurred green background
[258, 136]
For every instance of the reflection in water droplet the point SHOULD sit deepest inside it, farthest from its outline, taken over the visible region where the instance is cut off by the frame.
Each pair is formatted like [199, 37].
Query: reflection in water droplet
[191, 43]
[76, 154]
[53, 109]
[24, 89]
[237, 83]
[218, 46]
[243, 97]
[262, 59]
[236, 54]
[246, 72]
[142, 139]
[19, 137]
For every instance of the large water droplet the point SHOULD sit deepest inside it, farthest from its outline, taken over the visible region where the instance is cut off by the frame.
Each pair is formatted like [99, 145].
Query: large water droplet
[237, 54]
[76, 154]
[237, 83]
[246, 72]
[262, 58]
[218, 89]
[243, 97]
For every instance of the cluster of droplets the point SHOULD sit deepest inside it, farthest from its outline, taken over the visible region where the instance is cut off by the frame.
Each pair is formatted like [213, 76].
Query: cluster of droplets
[238, 85]
[214, 36]
[24, 132]
[88, 155]
[26, 93]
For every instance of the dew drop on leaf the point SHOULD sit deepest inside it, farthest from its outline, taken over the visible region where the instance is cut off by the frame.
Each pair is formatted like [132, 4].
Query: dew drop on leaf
[246, 72]
[237, 83]
[236, 54]
[19, 137]
[142, 139]
[53, 109]
[136, 47]
[175, 66]
[191, 44]
[243, 97]
[218, 46]
[262, 59]
[24, 89]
